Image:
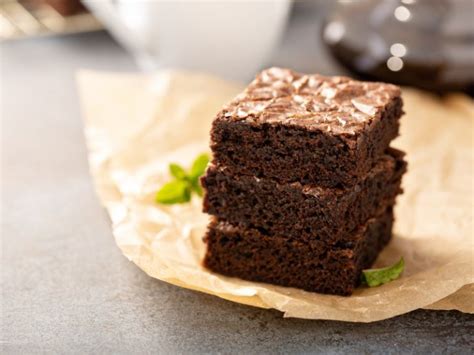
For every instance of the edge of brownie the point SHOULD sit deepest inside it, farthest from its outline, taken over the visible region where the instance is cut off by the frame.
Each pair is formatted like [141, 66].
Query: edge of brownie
[250, 255]
[302, 212]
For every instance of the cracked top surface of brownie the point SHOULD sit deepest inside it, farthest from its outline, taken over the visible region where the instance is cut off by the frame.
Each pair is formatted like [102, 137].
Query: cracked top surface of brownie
[337, 104]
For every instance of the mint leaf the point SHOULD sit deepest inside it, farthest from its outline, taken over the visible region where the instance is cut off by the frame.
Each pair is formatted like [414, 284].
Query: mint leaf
[377, 277]
[176, 191]
[196, 185]
[179, 190]
[177, 171]
[199, 167]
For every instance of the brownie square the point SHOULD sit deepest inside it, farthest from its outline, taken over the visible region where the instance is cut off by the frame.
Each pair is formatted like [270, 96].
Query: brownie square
[313, 129]
[250, 255]
[303, 212]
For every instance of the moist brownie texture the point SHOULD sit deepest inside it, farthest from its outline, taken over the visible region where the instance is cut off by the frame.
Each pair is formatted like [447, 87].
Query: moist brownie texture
[303, 182]
[303, 212]
[291, 127]
[253, 256]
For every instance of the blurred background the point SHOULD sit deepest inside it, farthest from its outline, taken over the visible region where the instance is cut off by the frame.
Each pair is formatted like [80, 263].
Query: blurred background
[423, 43]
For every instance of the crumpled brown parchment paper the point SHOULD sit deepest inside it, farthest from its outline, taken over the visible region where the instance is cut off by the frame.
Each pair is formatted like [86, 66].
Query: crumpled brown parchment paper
[135, 125]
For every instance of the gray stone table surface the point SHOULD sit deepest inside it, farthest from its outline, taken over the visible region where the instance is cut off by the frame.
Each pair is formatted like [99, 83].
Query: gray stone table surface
[65, 286]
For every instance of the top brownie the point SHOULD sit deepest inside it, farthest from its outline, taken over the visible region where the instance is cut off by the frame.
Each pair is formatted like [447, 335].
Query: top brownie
[307, 128]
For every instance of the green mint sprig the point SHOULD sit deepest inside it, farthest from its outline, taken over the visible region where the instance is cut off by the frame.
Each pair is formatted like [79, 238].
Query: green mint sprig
[184, 184]
[377, 277]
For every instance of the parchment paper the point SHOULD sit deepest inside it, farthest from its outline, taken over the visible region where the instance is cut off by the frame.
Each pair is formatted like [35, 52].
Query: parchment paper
[136, 125]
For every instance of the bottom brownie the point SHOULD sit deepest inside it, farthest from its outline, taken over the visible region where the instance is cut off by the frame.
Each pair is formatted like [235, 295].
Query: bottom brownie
[253, 256]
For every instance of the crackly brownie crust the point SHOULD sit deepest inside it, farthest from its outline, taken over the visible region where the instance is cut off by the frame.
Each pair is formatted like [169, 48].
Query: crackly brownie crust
[307, 128]
[303, 212]
[250, 255]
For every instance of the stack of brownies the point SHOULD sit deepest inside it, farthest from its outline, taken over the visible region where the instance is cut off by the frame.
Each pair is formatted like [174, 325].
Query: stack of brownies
[303, 182]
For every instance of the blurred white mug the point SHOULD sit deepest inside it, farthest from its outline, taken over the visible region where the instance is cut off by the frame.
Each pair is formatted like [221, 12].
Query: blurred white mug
[230, 38]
